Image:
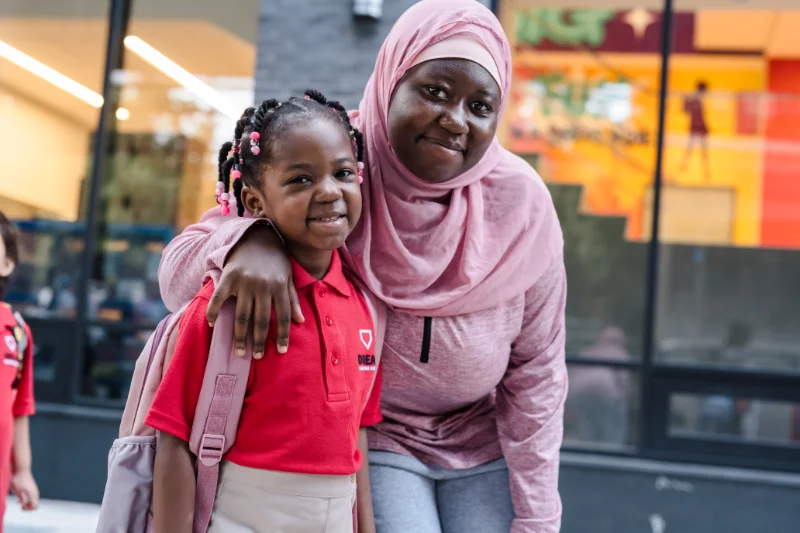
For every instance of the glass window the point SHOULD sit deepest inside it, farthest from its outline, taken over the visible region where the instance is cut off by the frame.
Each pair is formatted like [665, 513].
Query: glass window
[722, 416]
[52, 56]
[111, 357]
[178, 100]
[601, 409]
[583, 112]
[730, 211]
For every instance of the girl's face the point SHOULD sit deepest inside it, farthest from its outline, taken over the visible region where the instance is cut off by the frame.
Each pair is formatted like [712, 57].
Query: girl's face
[311, 190]
[443, 117]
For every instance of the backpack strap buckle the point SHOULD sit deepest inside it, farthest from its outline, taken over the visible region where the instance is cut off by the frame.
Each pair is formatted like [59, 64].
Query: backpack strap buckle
[211, 449]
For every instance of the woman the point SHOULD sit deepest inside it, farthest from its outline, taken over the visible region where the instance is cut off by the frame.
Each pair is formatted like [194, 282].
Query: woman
[460, 238]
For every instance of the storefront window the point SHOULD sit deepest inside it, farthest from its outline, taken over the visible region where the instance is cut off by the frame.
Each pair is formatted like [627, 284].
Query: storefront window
[730, 210]
[186, 75]
[602, 409]
[52, 57]
[722, 416]
[583, 113]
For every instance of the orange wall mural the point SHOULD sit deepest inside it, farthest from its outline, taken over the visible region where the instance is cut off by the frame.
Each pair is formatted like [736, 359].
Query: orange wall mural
[584, 105]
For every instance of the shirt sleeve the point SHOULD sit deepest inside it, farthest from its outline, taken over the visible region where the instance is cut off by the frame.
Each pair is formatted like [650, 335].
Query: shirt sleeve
[24, 404]
[372, 411]
[174, 405]
[200, 249]
[530, 406]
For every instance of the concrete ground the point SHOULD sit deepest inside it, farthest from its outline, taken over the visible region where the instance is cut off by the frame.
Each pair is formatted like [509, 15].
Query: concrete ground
[51, 517]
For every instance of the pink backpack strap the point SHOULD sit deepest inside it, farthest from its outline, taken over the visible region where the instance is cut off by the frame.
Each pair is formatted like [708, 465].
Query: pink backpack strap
[218, 410]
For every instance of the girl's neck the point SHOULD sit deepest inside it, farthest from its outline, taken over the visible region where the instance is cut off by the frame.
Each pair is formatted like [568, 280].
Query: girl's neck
[315, 262]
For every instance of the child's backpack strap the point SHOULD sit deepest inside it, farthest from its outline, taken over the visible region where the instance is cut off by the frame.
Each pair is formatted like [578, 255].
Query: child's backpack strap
[218, 409]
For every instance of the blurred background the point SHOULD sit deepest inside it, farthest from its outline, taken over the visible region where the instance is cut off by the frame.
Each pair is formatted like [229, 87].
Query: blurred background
[684, 297]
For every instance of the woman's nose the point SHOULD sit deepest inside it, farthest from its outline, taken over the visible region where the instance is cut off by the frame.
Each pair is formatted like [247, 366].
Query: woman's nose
[454, 120]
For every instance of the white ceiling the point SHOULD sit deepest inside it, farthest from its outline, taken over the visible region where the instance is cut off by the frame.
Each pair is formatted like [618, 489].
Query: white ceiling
[76, 48]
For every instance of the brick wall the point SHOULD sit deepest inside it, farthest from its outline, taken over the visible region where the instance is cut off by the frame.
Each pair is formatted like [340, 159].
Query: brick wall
[318, 44]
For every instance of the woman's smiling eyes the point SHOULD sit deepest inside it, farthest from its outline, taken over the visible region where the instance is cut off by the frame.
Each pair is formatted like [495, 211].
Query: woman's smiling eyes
[477, 106]
[436, 92]
[481, 107]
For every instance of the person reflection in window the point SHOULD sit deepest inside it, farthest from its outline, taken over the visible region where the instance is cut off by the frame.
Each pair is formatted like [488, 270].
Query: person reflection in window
[600, 395]
[721, 413]
[694, 106]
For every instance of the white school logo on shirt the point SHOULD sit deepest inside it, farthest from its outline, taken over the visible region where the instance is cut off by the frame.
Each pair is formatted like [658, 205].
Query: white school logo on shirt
[11, 342]
[366, 337]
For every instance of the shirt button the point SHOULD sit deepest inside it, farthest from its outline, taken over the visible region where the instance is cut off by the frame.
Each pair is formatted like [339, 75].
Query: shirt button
[329, 321]
[323, 292]
[335, 361]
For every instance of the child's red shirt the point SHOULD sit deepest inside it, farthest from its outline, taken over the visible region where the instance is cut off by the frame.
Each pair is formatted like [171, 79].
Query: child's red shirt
[16, 373]
[302, 410]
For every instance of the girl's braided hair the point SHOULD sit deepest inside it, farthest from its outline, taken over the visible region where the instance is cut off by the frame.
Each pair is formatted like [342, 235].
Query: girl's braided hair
[262, 126]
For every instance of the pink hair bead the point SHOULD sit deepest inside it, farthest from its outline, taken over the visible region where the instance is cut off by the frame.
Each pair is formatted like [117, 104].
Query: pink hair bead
[255, 135]
[236, 174]
[225, 196]
[255, 150]
[360, 165]
[225, 210]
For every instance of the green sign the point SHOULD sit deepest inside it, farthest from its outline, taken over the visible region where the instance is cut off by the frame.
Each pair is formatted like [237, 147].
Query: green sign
[563, 27]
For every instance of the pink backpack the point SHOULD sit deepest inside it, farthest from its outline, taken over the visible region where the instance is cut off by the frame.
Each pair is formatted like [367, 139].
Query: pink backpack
[129, 488]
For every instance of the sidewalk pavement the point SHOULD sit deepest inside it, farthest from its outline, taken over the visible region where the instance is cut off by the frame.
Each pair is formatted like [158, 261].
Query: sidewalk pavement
[51, 517]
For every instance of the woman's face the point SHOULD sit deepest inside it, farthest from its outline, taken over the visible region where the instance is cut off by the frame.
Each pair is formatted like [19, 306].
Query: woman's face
[443, 117]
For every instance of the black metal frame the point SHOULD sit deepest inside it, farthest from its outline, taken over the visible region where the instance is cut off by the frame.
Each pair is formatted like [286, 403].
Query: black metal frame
[118, 19]
[658, 380]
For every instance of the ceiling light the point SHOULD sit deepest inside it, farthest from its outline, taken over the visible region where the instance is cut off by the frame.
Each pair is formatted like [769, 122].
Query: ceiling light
[48, 74]
[182, 76]
[123, 114]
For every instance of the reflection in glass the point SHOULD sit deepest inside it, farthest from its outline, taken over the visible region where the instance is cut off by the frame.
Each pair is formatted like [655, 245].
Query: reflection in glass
[178, 100]
[730, 210]
[110, 359]
[723, 416]
[600, 408]
[51, 71]
[583, 113]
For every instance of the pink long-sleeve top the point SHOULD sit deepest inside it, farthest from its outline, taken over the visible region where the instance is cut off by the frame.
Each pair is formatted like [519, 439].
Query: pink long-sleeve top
[458, 391]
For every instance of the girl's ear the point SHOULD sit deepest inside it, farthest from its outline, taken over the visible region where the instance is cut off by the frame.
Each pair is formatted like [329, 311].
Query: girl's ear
[254, 201]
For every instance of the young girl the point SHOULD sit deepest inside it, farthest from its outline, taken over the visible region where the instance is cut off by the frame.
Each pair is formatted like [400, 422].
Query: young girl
[298, 447]
[16, 388]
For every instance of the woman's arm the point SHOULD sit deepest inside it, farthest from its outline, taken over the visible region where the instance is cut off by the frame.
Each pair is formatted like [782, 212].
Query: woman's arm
[247, 260]
[173, 486]
[530, 406]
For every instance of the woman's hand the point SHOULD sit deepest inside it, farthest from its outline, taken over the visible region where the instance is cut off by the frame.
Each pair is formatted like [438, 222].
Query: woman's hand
[258, 274]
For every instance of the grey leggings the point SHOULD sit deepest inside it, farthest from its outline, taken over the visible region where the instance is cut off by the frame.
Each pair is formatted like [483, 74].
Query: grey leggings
[412, 497]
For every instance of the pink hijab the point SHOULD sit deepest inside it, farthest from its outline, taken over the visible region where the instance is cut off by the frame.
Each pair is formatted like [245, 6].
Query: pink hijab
[457, 247]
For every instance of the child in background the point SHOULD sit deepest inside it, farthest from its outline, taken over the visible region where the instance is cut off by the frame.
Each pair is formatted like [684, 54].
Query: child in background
[16, 388]
[300, 444]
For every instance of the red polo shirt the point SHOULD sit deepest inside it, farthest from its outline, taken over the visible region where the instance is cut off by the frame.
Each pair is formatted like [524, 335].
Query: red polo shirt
[302, 410]
[16, 368]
